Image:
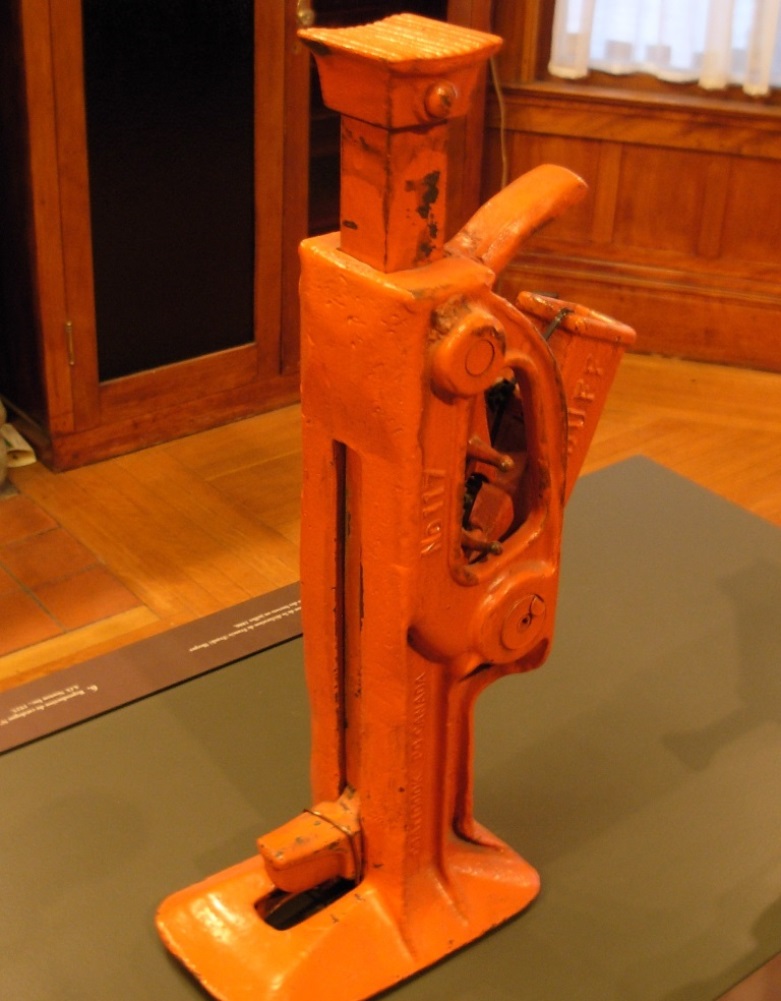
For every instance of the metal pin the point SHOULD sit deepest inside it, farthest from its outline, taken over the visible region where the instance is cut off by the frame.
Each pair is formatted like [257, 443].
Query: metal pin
[477, 544]
[477, 449]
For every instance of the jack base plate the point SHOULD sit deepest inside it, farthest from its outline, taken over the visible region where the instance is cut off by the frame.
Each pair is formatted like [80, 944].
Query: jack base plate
[355, 946]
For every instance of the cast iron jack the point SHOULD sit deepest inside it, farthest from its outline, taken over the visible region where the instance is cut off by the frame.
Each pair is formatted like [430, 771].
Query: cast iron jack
[443, 431]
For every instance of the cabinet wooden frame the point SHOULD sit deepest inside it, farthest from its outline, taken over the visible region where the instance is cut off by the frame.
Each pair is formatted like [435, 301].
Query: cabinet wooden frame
[88, 419]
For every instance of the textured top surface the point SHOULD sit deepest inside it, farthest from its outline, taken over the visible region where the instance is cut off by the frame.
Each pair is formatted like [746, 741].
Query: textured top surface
[404, 38]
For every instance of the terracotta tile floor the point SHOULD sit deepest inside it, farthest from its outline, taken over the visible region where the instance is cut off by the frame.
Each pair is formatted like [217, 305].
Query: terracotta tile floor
[49, 581]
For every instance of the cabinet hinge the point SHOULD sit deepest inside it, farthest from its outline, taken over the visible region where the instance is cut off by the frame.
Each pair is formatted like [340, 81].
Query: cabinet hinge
[305, 14]
[69, 342]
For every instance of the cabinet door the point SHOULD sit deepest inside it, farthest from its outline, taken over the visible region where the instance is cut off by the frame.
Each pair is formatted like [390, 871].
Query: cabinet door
[169, 102]
[170, 146]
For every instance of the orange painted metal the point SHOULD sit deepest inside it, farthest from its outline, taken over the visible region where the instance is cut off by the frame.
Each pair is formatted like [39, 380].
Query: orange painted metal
[443, 431]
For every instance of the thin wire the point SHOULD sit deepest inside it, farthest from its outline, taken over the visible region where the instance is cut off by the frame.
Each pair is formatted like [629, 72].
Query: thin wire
[497, 84]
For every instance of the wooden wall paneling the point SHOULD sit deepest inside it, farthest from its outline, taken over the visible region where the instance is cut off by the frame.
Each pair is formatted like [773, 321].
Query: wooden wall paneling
[572, 109]
[752, 216]
[670, 318]
[715, 197]
[659, 205]
[604, 194]
[683, 216]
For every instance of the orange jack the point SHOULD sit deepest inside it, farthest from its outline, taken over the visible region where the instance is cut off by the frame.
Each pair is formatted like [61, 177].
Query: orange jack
[443, 431]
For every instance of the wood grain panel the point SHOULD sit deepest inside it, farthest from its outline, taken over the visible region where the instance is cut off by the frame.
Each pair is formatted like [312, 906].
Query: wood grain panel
[752, 218]
[659, 202]
[639, 118]
[670, 318]
[684, 218]
[715, 198]
[605, 192]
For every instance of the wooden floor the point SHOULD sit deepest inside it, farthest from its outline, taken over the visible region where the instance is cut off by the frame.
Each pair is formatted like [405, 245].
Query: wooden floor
[196, 525]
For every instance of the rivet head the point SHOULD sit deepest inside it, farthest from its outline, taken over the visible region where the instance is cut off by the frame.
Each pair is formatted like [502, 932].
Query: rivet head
[469, 358]
[522, 621]
[439, 99]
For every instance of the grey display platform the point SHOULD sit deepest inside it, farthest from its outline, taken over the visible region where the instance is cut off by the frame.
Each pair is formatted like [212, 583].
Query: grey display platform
[639, 770]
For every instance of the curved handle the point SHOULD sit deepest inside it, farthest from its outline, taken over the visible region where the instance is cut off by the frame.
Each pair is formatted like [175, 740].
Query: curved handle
[495, 232]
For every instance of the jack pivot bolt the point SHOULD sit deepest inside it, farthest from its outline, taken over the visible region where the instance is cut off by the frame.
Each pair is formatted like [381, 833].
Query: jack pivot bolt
[475, 543]
[469, 359]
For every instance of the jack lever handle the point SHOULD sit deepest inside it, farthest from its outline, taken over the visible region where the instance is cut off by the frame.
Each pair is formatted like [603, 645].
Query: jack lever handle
[496, 231]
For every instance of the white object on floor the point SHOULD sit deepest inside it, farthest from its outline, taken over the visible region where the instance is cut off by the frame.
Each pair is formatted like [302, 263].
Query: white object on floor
[17, 451]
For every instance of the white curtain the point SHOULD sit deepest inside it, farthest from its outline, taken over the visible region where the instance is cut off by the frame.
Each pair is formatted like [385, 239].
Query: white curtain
[713, 42]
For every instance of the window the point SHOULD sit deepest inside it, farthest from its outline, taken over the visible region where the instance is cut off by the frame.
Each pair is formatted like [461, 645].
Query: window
[713, 42]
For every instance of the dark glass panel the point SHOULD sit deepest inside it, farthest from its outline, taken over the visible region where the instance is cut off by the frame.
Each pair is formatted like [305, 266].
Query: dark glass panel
[169, 94]
[21, 363]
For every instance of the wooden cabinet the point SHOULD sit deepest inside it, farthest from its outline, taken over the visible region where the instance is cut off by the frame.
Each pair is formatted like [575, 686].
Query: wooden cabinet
[155, 253]
[154, 189]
